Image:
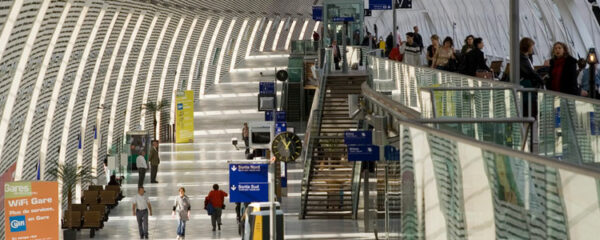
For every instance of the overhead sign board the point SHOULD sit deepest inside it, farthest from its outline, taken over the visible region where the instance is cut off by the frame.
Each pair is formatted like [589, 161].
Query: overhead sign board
[317, 13]
[365, 153]
[249, 182]
[391, 153]
[266, 88]
[358, 137]
[380, 4]
[342, 19]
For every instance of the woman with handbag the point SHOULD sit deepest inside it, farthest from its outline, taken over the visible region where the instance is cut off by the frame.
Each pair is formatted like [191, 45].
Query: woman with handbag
[216, 198]
[444, 58]
[182, 208]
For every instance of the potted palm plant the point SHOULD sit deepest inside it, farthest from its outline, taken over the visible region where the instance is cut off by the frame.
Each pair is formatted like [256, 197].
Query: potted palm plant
[153, 108]
[70, 175]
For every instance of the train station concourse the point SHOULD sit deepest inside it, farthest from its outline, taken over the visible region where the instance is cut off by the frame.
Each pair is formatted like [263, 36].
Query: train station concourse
[299, 119]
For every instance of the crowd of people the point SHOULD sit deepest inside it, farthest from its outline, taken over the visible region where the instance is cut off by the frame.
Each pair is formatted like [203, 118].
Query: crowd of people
[561, 72]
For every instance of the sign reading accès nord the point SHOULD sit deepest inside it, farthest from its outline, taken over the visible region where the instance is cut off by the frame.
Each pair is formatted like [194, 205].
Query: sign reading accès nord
[358, 137]
[249, 182]
[184, 117]
[31, 210]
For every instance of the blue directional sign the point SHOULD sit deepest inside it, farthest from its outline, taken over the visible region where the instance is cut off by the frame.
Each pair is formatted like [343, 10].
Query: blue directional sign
[380, 4]
[366, 153]
[342, 19]
[249, 182]
[358, 137]
[268, 116]
[557, 118]
[280, 116]
[317, 13]
[391, 153]
[280, 127]
[266, 88]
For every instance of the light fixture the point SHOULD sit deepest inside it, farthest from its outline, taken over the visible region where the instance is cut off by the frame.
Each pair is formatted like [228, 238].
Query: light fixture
[592, 58]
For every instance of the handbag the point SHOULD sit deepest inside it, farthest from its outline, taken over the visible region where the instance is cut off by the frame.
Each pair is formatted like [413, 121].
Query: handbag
[209, 208]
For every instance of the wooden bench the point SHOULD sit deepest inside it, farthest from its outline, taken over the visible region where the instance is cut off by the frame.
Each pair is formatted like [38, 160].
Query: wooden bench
[116, 189]
[95, 188]
[108, 197]
[92, 220]
[101, 208]
[71, 220]
[89, 197]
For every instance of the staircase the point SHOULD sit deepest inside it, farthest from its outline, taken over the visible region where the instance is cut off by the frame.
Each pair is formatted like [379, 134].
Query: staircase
[394, 188]
[330, 178]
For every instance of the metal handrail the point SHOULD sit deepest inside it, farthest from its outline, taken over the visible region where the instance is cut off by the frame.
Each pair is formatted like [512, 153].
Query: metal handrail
[315, 114]
[407, 116]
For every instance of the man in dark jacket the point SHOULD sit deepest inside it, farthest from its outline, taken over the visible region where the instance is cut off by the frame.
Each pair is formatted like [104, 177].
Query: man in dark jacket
[154, 161]
[475, 60]
[418, 38]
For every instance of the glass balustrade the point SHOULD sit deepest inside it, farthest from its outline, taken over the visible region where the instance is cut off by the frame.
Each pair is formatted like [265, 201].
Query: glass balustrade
[446, 186]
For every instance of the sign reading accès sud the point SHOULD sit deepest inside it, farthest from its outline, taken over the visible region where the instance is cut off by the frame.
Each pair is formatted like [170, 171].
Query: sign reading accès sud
[31, 210]
[367, 153]
[249, 182]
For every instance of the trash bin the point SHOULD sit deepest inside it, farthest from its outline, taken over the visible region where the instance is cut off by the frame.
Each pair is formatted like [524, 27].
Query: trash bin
[257, 221]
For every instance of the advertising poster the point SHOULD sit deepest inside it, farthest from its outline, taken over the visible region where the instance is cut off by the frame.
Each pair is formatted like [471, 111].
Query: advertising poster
[139, 144]
[184, 117]
[31, 210]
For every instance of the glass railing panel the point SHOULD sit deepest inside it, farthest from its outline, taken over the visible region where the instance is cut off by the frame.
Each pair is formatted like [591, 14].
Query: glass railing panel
[569, 128]
[458, 188]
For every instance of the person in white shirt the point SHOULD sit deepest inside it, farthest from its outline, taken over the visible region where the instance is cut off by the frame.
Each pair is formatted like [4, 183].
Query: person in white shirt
[411, 50]
[141, 209]
[142, 166]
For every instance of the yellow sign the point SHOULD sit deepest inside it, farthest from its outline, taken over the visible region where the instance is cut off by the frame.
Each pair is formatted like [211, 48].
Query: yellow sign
[184, 117]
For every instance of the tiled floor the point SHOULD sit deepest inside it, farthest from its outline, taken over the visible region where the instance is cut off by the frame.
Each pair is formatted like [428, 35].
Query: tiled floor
[218, 118]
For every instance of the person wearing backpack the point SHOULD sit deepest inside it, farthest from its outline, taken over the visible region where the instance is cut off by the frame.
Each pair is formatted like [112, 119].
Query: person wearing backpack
[181, 208]
[216, 199]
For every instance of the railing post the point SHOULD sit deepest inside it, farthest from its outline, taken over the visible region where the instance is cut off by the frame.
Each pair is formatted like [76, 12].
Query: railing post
[514, 42]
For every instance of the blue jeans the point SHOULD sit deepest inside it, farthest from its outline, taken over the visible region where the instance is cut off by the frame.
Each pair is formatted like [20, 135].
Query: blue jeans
[181, 228]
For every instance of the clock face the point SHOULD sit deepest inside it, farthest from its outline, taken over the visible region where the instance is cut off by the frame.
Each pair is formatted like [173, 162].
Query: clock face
[286, 147]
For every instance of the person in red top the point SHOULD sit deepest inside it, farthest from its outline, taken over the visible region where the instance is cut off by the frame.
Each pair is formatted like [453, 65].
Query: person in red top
[395, 54]
[563, 71]
[216, 198]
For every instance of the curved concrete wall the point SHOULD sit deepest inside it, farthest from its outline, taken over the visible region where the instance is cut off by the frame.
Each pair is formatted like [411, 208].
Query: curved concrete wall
[72, 70]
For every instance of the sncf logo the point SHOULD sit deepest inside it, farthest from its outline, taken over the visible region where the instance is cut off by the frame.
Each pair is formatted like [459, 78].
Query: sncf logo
[17, 224]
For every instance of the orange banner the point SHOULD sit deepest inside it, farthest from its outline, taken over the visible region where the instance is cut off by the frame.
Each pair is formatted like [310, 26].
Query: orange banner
[31, 210]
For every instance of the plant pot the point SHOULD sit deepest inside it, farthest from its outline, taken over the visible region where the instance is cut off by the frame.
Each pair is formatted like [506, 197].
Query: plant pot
[69, 234]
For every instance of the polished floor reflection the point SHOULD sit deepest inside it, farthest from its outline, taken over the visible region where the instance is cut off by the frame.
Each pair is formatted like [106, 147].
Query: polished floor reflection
[218, 118]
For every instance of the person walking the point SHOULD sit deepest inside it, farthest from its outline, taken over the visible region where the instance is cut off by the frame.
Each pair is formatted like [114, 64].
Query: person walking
[154, 161]
[337, 55]
[411, 51]
[417, 38]
[216, 198]
[141, 209]
[182, 208]
[140, 163]
[246, 137]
